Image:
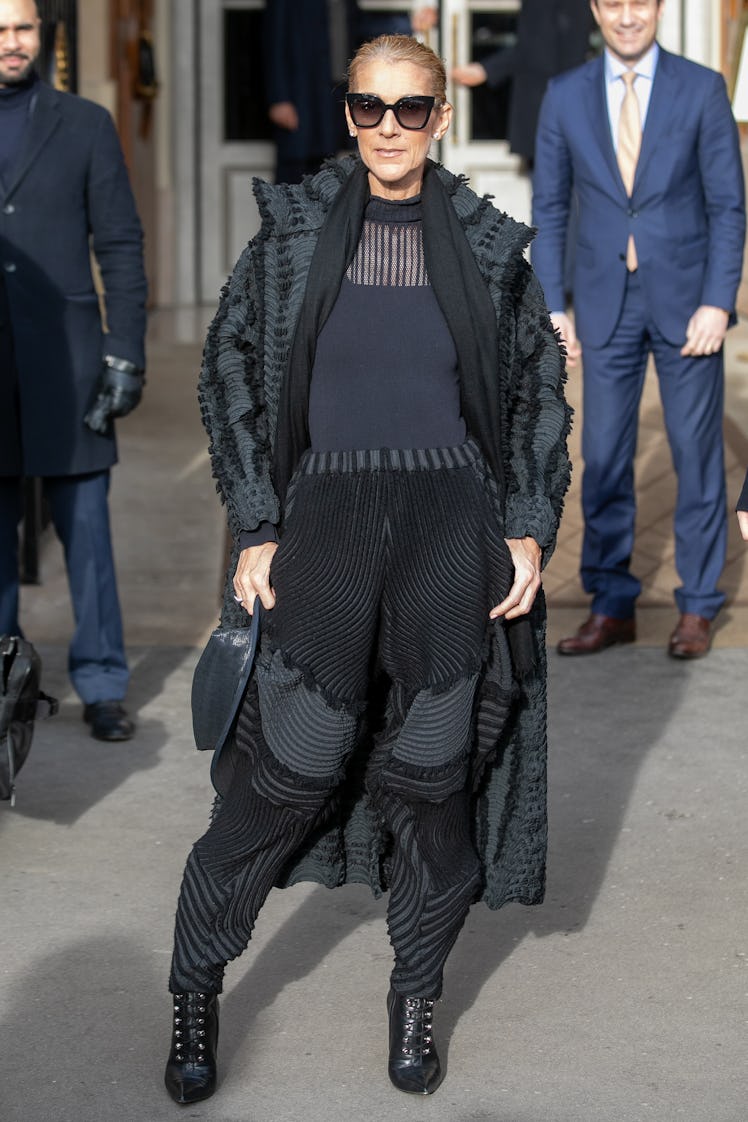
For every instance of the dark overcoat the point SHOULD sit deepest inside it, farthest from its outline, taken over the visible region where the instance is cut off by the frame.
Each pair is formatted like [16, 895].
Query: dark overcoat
[299, 69]
[69, 194]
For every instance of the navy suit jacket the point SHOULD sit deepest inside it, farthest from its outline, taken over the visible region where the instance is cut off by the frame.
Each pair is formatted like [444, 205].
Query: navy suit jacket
[67, 193]
[687, 211]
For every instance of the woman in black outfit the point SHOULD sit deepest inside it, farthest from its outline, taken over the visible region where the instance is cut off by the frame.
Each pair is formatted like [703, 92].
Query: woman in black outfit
[384, 397]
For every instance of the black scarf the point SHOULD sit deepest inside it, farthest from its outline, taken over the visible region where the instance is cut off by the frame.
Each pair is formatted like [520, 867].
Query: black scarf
[465, 304]
[459, 290]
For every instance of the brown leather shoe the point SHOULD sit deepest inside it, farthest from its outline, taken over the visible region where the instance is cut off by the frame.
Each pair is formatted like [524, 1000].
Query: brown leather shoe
[692, 637]
[597, 633]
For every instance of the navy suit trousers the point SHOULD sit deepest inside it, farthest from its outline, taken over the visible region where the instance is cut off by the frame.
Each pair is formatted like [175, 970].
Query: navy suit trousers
[80, 514]
[692, 394]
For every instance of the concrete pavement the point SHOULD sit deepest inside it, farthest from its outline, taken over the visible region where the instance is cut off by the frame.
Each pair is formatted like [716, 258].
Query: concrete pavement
[622, 998]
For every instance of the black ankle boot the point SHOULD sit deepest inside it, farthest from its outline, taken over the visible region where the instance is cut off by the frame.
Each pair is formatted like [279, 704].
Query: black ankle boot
[414, 1065]
[191, 1068]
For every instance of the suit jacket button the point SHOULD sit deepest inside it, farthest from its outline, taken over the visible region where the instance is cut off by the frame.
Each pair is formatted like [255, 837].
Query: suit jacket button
[10, 266]
[9, 208]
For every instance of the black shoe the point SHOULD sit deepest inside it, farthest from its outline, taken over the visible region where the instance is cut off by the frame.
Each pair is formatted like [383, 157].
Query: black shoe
[414, 1065]
[108, 721]
[191, 1068]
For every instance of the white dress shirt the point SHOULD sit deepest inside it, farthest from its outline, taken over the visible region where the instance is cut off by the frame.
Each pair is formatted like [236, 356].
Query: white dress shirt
[615, 87]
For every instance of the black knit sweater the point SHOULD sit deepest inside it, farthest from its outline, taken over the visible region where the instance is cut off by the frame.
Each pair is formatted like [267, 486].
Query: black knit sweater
[385, 373]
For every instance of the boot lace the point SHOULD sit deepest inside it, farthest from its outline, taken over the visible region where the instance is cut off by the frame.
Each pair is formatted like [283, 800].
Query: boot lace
[417, 1038]
[190, 1011]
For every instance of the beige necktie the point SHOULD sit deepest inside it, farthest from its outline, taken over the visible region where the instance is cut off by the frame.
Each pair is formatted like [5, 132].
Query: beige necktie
[629, 143]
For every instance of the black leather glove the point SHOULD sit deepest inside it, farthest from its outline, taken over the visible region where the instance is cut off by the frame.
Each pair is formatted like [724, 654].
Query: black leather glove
[118, 392]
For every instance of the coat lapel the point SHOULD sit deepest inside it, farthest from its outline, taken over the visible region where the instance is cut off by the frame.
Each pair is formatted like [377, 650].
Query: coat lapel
[597, 109]
[45, 118]
[659, 114]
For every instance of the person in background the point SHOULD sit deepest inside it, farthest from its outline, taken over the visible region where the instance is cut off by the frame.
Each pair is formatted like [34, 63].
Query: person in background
[424, 17]
[552, 36]
[307, 47]
[64, 376]
[383, 393]
[420, 20]
[643, 146]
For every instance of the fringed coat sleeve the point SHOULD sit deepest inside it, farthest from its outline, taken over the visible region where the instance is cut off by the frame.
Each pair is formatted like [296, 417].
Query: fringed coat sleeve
[232, 395]
[537, 421]
[535, 417]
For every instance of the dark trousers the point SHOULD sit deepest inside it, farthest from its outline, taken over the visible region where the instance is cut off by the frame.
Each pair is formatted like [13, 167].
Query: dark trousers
[692, 394]
[80, 514]
[391, 559]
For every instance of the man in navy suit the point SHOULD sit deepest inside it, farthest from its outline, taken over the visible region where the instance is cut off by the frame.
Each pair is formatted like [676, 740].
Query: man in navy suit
[64, 190]
[657, 267]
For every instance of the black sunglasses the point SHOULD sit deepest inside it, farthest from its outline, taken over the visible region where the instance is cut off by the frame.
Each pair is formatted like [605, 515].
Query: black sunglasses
[367, 110]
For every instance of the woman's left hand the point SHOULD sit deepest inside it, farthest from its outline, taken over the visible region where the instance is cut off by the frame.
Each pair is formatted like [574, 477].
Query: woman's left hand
[526, 556]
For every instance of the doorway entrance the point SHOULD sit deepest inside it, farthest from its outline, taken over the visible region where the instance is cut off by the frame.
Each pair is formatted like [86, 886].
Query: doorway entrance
[476, 144]
[223, 138]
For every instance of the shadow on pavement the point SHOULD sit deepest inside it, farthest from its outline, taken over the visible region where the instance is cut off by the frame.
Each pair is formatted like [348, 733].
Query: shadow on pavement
[67, 772]
[76, 1035]
[606, 714]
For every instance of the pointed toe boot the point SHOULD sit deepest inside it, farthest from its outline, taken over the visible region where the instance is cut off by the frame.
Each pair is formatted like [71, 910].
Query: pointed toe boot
[414, 1064]
[191, 1068]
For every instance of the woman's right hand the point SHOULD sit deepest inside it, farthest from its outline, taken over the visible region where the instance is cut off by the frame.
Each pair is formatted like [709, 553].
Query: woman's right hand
[252, 576]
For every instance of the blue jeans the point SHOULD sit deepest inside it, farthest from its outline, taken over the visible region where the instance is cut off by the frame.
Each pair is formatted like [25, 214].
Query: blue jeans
[80, 514]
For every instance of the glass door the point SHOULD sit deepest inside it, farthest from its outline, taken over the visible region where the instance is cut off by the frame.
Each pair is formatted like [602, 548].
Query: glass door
[234, 134]
[476, 144]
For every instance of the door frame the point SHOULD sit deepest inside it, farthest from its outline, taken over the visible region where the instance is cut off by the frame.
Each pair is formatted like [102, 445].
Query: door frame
[692, 27]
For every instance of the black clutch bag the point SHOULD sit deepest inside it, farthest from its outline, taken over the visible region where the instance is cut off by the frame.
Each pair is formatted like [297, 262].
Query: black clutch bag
[220, 682]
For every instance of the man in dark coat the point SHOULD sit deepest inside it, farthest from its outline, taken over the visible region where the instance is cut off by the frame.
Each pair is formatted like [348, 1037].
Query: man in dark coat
[552, 36]
[307, 47]
[66, 367]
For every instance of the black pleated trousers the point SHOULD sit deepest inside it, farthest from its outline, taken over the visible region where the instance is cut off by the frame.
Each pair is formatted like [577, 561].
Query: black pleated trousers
[389, 560]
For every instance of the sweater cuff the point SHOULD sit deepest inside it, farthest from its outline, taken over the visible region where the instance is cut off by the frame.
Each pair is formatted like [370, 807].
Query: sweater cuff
[265, 532]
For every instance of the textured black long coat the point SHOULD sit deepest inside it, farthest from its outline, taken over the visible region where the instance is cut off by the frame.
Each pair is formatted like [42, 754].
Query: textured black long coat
[247, 355]
[69, 191]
